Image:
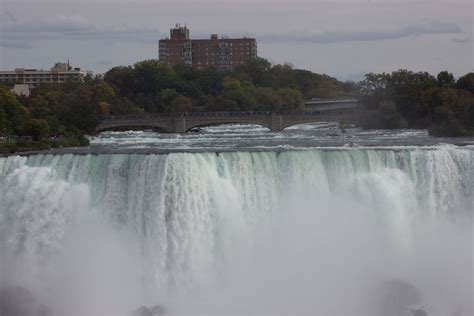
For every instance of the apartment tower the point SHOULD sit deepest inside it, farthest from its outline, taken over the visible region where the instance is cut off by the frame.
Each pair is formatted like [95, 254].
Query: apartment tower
[221, 52]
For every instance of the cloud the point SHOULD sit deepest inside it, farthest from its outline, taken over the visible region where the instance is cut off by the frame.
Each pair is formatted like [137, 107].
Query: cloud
[104, 63]
[70, 28]
[14, 44]
[466, 39]
[364, 36]
[9, 23]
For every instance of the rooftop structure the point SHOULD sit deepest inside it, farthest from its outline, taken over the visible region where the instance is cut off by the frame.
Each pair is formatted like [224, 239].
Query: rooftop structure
[59, 73]
[223, 53]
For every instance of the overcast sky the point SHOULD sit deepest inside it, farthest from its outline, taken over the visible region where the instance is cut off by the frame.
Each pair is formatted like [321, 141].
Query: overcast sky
[342, 38]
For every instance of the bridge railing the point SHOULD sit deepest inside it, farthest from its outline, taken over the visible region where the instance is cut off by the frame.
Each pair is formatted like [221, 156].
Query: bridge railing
[226, 114]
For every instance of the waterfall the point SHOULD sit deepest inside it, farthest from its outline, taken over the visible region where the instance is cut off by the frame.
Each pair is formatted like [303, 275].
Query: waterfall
[257, 232]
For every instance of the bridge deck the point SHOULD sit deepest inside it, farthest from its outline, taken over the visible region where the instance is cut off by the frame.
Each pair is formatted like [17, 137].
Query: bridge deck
[182, 122]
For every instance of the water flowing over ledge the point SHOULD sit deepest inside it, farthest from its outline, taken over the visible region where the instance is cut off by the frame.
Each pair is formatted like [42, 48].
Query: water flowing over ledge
[249, 232]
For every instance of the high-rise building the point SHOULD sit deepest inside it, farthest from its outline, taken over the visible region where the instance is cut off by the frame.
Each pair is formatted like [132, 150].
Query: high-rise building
[221, 52]
[33, 77]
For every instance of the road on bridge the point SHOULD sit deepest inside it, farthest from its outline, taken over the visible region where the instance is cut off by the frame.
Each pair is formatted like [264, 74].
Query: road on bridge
[275, 121]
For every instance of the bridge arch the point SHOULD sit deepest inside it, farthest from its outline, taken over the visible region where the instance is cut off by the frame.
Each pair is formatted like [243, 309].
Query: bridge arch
[290, 121]
[183, 122]
[287, 127]
[238, 122]
[132, 125]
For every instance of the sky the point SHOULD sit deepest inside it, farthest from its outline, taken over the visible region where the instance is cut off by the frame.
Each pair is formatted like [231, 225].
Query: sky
[342, 38]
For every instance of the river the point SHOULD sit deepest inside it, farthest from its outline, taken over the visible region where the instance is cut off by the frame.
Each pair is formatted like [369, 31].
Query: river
[237, 220]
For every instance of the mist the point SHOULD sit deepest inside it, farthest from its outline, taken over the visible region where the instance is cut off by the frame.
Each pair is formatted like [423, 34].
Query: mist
[292, 233]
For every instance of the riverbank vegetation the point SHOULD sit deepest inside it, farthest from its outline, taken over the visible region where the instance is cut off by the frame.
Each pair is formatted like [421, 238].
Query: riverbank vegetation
[441, 104]
[56, 115]
[151, 86]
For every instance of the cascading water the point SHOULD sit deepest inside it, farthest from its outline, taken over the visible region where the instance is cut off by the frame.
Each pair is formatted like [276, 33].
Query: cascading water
[296, 232]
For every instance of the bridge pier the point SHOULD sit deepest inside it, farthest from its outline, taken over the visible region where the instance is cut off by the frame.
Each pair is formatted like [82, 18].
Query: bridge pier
[179, 124]
[276, 123]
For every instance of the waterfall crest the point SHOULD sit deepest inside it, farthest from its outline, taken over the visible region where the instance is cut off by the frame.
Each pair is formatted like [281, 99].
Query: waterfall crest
[322, 223]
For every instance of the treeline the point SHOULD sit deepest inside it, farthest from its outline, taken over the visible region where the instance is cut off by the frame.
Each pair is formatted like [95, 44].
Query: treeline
[54, 114]
[61, 114]
[441, 104]
[151, 86]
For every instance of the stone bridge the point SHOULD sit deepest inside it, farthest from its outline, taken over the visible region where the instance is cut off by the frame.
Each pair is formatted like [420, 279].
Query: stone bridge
[183, 122]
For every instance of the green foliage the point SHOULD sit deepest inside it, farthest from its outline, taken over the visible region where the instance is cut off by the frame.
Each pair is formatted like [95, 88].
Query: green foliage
[4, 123]
[445, 79]
[390, 116]
[256, 69]
[466, 82]
[230, 83]
[165, 99]
[419, 100]
[255, 85]
[123, 106]
[80, 111]
[153, 76]
[7, 85]
[122, 80]
[37, 128]
[182, 104]
[292, 99]
[56, 115]
[43, 144]
[13, 113]
[268, 99]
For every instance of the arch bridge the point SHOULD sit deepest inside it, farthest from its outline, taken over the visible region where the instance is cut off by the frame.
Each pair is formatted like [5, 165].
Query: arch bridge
[183, 122]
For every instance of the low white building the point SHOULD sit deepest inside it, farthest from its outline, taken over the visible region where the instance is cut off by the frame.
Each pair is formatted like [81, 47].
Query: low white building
[21, 89]
[33, 77]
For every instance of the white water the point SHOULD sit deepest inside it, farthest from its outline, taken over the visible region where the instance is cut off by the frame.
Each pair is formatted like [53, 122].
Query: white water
[302, 232]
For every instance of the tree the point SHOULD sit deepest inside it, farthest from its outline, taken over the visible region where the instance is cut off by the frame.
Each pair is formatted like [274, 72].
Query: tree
[123, 106]
[152, 76]
[292, 99]
[223, 103]
[165, 99]
[14, 112]
[452, 110]
[182, 104]
[242, 97]
[390, 116]
[256, 69]
[445, 79]
[466, 82]
[37, 128]
[405, 89]
[209, 80]
[267, 99]
[4, 124]
[231, 83]
[80, 112]
[123, 81]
